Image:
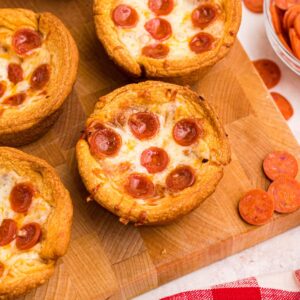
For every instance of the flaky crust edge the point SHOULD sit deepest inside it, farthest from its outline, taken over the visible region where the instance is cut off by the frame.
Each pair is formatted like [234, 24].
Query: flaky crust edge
[185, 71]
[185, 202]
[35, 122]
[58, 225]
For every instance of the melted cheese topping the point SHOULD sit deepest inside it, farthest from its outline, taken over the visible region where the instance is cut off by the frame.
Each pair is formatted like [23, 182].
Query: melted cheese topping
[132, 148]
[29, 63]
[19, 262]
[182, 28]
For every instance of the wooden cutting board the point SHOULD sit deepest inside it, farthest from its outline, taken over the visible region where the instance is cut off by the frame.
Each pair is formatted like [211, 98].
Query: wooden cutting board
[108, 260]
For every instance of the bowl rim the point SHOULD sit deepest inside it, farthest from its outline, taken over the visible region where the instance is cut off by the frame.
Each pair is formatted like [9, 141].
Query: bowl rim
[268, 19]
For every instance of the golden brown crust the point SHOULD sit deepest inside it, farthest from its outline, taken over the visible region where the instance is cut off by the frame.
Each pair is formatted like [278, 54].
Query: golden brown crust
[171, 206]
[183, 71]
[19, 128]
[56, 230]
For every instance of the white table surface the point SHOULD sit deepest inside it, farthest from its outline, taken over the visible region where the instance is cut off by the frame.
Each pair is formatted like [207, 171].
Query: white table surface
[278, 254]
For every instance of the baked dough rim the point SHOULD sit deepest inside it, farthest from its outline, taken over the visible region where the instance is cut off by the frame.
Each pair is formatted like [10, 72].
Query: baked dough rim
[58, 224]
[153, 215]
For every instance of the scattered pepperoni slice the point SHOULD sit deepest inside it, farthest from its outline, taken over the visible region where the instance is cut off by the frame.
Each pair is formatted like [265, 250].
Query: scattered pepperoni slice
[290, 16]
[125, 16]
[161, 7]
[180, 178]
[21, 197]
[256, 207]
[187, 131]
[2, 267]
[156, 51]
[255, 6]
[29, 236]
[201, 42]
[2, 88]
[295, 42]
[204, 15]
[277, 16]
[40, 76]
[104, 142]
[283, 104]
[279, 163]
[269, 71]
[139, 186]
[154, 159]
[15, 100]
[160, 29]
[286, 193]
[8, 231]
[25, 40]
[143, 125]
[15, 73]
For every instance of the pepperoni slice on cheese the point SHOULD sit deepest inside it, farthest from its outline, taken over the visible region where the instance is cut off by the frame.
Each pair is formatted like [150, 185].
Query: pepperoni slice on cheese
[2, 88]
[161, 7]
[256, 207]
[25, 40]
[204, 15]
[2, 267]
[187, 131]
[15, 73]
[160, 29]
[29, 235]
[286, 194]
[125, 16]
[154, 159]
[279, 163]
[156, 51]
[180, 178]
[201, 42]
[143, 125]
[15, 99]
[104, 142]
[8, 231]
[21, 197]
[139, 186]
[40, 76]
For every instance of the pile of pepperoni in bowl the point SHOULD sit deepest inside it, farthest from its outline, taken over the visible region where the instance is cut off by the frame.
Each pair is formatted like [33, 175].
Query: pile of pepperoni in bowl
[257, 206]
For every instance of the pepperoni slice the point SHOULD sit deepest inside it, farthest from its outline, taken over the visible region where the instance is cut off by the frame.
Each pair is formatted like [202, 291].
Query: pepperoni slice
[15, 100]
[125, 16]
[180, 178]
[290, 16]
[156, 51]
[286, 193]
[29, 236]
[21, 197]
[15, 73]
[8, 231]
[255, 6]
[104, 142]
[160, 29]
[154, 159]
[279, 163]
[269, 71]
[143, 125]
[161, 7]
[2, 267]
[283, 104]
[25, 40]
[295, 42]
[297, 25]
[204, 15]
[256, 207]
[187, 131]
[2, 88]
[201, 42]
[40, 76]
[139, 186]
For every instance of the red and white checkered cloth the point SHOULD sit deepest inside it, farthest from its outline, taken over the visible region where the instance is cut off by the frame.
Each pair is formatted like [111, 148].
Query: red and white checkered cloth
[284, 286]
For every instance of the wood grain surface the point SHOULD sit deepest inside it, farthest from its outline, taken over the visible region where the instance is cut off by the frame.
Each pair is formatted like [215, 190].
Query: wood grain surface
[108, 260]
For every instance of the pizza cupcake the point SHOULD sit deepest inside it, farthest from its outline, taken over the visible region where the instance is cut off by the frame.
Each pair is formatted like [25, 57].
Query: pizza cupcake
[38, 65]
[177, 40]
[152, 152]
[35, 221]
